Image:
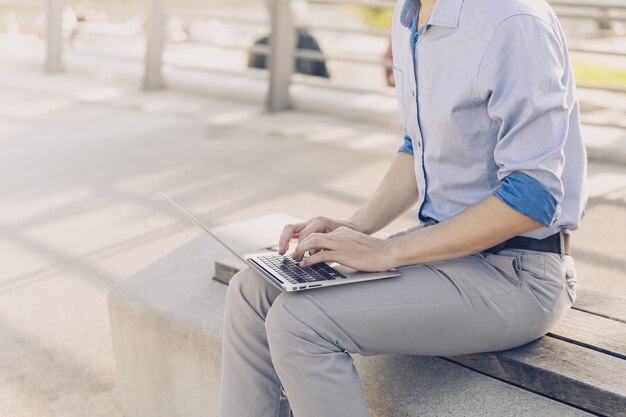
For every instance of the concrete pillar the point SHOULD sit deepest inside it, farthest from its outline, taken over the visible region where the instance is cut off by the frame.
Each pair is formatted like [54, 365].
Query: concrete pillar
[54, 35]
[155, 41]
[281, 57]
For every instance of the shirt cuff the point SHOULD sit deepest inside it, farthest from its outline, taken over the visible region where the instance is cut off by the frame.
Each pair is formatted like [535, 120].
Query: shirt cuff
[407, 146]
[529, 197]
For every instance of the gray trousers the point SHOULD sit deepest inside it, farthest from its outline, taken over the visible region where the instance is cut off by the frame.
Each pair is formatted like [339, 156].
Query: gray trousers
[303, 341]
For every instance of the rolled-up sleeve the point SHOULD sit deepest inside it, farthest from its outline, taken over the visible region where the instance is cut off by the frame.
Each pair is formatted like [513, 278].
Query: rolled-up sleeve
[407, 146]
[522, 78]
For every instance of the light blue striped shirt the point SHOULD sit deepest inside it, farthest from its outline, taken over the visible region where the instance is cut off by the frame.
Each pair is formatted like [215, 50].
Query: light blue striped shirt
[487, 100]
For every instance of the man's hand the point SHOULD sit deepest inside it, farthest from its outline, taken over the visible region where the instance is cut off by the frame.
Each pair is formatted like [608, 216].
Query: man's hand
[346, 246]
[302, 230]
[394, 196]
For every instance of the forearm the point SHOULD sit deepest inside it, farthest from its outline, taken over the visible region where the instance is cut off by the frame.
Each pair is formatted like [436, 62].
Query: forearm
[396, 194]
[479, 227]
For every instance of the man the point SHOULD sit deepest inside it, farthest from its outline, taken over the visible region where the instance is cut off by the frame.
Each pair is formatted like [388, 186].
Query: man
[494, 160]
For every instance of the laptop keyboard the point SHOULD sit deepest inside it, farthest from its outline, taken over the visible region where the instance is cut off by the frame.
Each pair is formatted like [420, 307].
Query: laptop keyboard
[289, 269]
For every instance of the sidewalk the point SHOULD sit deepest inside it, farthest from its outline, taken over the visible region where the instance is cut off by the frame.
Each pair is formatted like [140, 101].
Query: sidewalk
[606, 143]
[81, 163]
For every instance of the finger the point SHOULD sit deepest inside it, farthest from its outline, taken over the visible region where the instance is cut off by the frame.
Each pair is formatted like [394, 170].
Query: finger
[285, 237]
[343, 230]
[321, 256]
[313, 227]
[313, 242]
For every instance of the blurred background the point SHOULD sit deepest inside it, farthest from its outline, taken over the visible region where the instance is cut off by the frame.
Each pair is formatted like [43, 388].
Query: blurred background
[104, 103]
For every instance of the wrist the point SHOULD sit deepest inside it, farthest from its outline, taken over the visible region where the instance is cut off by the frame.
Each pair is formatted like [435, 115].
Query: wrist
[393, 252]
[356, 224]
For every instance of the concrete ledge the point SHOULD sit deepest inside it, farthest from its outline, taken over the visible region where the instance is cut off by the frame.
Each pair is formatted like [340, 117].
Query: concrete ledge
[166, 326]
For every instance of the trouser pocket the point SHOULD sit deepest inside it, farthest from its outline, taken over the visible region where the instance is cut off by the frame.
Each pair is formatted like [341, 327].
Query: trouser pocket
[570, 278]
[570, 284]
[507, 264]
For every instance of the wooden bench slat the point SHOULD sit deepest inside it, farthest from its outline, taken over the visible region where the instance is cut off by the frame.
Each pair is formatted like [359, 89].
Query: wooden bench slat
[595, 332]
[573, 374]
[601, 304]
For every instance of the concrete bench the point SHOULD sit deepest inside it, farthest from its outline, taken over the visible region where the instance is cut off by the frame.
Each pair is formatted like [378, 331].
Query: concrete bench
[167, 330]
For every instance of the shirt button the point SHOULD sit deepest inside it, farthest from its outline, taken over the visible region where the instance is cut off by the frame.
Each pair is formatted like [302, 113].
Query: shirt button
[413, 93]
[419, 143]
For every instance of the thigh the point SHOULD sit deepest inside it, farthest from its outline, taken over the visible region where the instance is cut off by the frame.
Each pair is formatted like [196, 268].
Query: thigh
[472, 304]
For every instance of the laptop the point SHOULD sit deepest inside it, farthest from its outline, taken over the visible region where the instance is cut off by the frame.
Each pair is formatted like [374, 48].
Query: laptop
[283, 271]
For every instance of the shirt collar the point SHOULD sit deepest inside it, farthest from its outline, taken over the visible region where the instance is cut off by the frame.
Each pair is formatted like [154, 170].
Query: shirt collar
[445, 13]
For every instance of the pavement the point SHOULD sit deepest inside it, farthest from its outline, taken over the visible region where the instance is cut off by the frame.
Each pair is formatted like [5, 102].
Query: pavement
[81, 162]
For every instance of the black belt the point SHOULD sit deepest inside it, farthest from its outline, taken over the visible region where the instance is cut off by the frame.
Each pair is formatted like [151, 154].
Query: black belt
[550, 244]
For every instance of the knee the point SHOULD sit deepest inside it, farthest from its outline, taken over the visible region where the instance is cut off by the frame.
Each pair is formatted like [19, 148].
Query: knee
[241, 288]
[280, 320]
[238, 283]
[296, 329]
[284, 340]
[248, 295]
[281, 326]
[293, 320]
